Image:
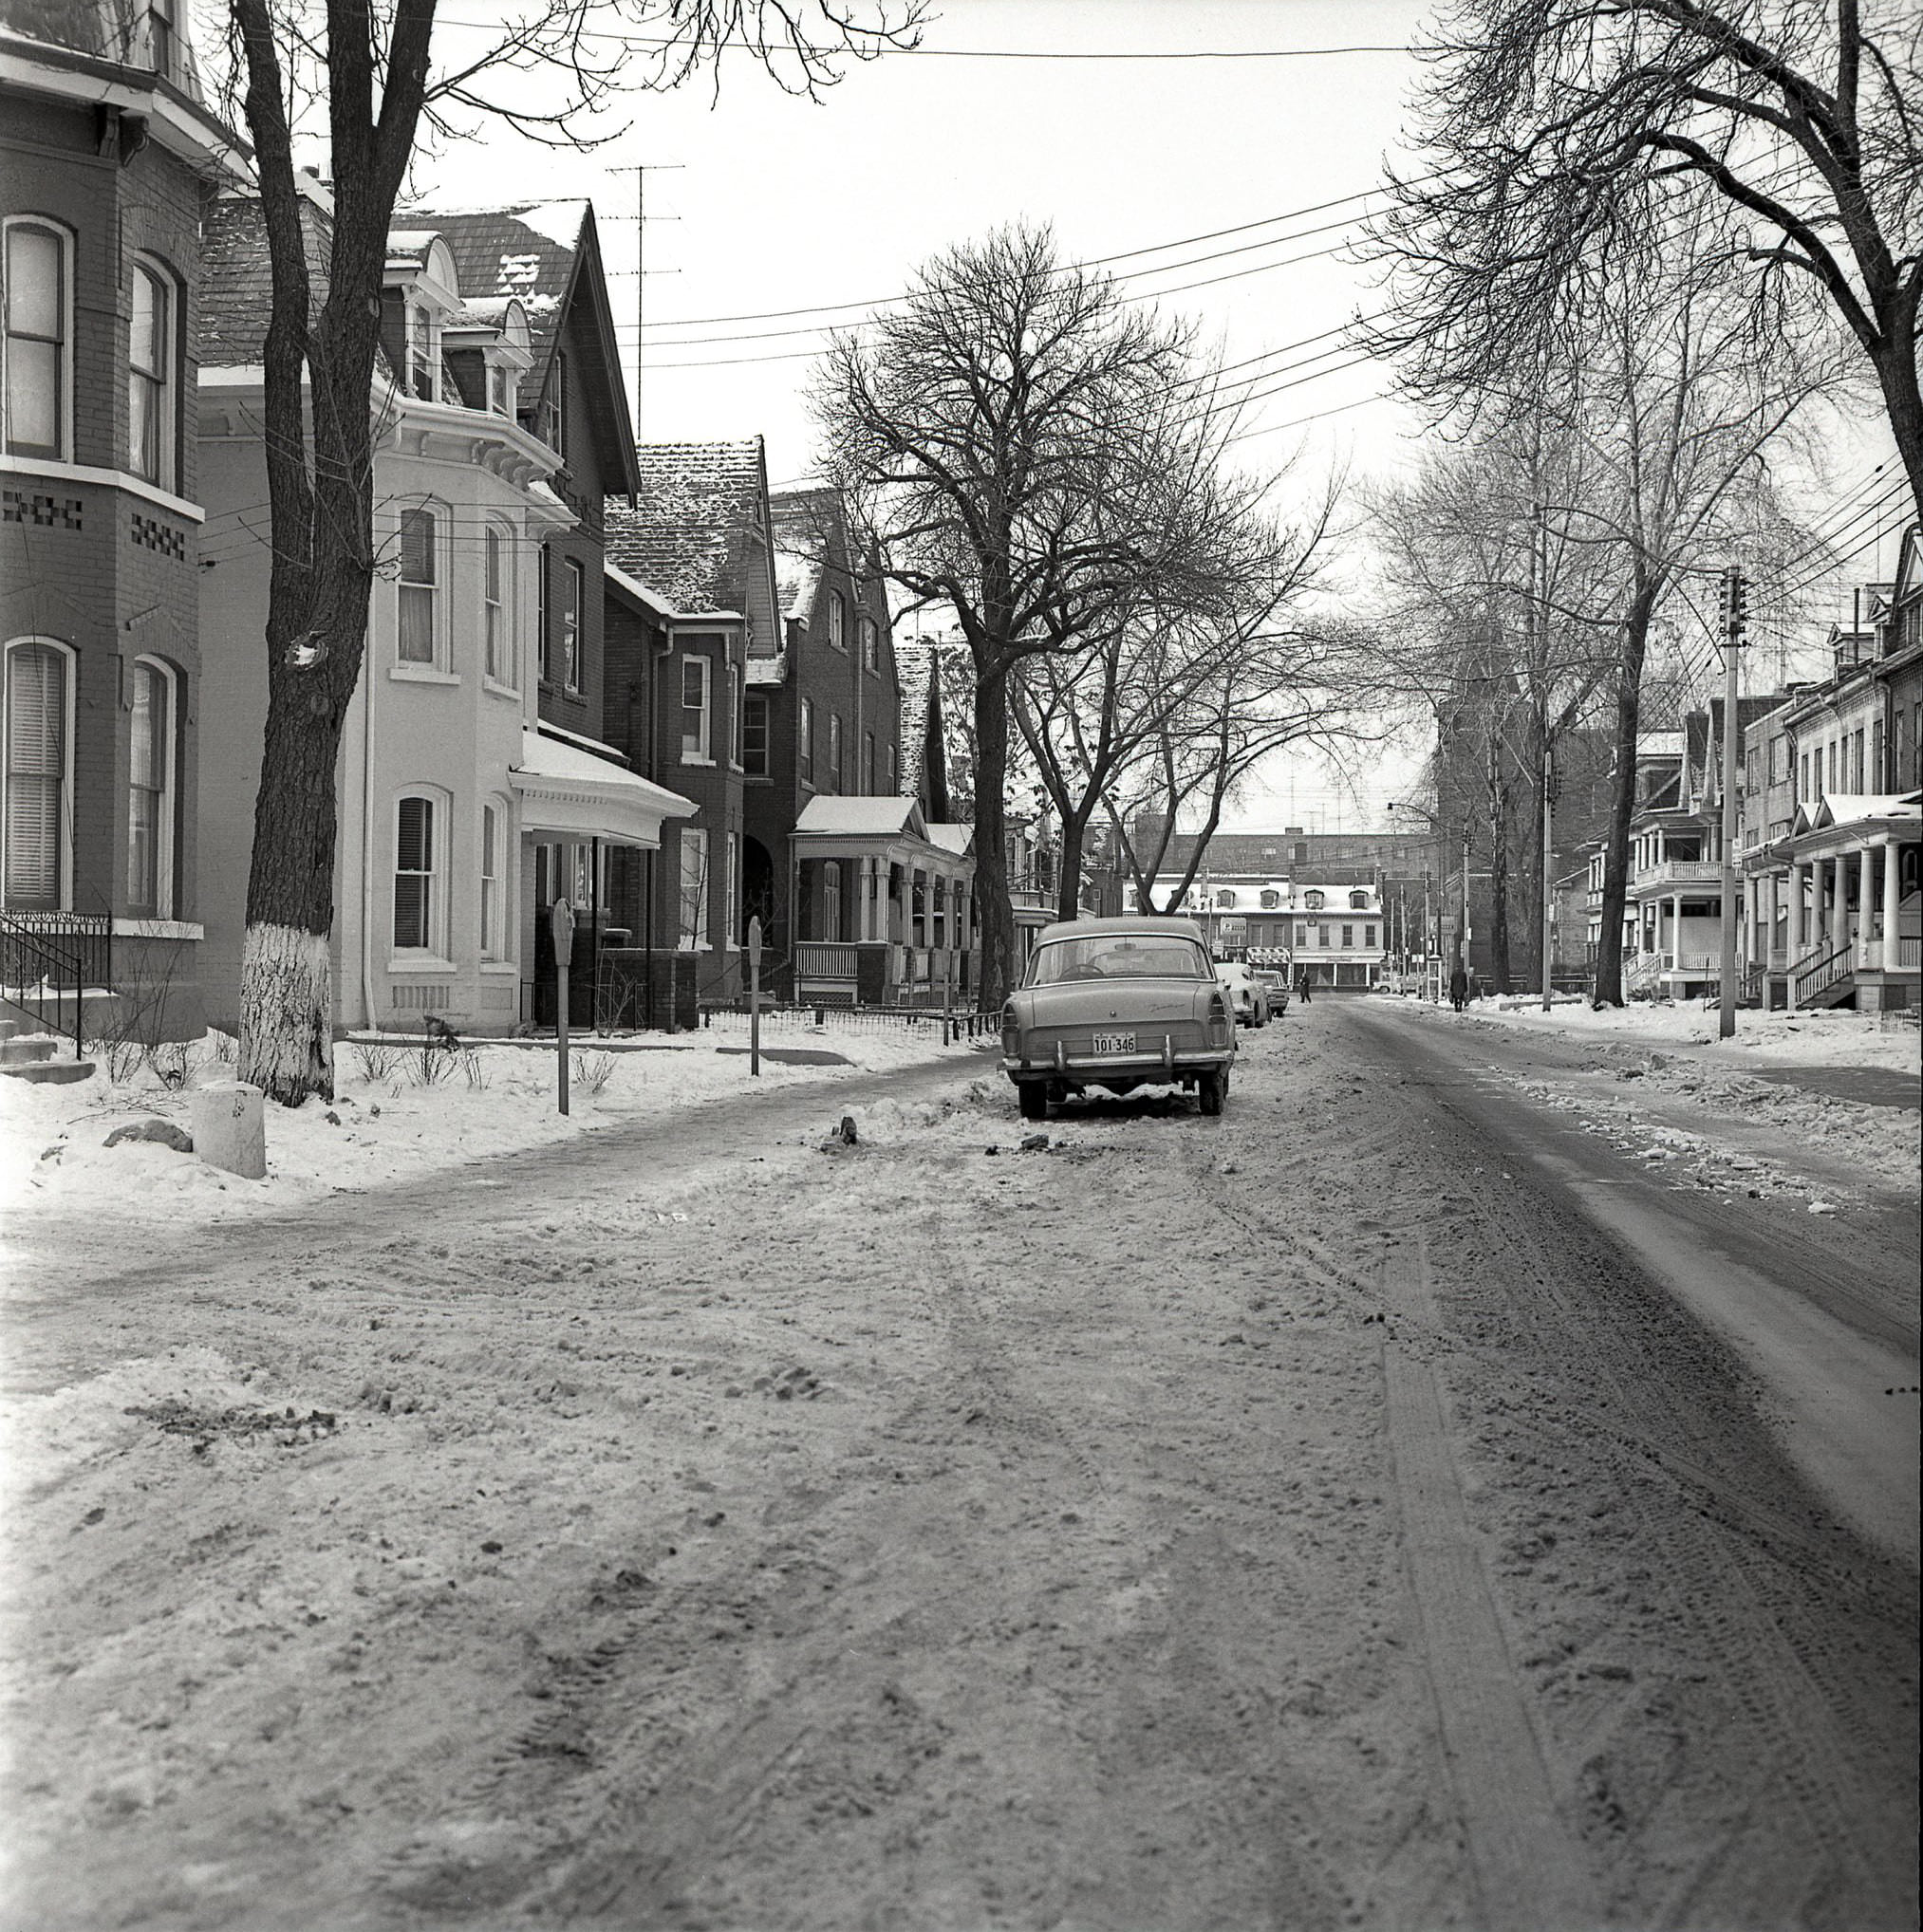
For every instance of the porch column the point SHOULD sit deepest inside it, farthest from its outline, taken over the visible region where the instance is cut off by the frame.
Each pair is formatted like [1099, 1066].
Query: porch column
[1893, 889]
[1840, 906]
[1675, 929]
[1799, 885]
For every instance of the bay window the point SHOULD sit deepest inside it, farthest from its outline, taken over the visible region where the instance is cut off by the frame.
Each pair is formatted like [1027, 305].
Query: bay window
[150, 377]
[37, 808]
[420, 580]
[37, 344]
[150, 793]
[418, 907]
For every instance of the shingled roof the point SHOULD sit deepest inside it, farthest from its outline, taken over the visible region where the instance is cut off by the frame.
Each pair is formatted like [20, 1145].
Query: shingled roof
[696, 512]
[236, 297]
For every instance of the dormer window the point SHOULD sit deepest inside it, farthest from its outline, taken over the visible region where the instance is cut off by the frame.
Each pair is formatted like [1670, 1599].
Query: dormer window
[1313, 900]
[160, 37]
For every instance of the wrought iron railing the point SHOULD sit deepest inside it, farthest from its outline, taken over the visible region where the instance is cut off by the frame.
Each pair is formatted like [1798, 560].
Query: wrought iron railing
[51, 957]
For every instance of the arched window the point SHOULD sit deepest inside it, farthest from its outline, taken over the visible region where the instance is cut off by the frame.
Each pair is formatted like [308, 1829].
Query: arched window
[419, 868]
[36, 345]
[870, 645]
[151, 790]
[38, 750]
[1271, 899]
[420, 632]
[1224, 898]
[837, 620]
[494, 878]
[152, 391]
[497, 648]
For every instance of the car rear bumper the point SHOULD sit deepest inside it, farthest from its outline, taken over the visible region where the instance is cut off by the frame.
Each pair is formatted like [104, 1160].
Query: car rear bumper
[1170, 1063]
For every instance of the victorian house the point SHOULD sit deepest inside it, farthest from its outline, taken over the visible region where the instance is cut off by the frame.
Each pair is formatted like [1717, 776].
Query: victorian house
[1834, 817]
[694, 624]
[474, 784]
[111, 161]
[876, 891]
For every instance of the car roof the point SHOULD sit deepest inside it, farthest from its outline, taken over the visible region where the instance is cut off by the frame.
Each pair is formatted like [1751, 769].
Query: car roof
[1138, 925]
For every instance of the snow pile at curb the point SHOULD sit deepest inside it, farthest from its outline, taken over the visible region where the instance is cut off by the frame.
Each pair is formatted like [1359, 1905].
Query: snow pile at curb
[397, 1114]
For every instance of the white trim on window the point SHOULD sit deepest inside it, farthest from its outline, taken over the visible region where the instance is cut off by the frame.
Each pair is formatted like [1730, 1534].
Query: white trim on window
[870, 643]
[36, 804]
[697, 673]
[806, 730]
[500, 655]
[692, 927]
[420, 541]
[153, 737]
[835, 749]
[736, 721]
[837, 622]
[495, 881]
[36, 340]
[573, 612]
[731, 886]
[152, 374]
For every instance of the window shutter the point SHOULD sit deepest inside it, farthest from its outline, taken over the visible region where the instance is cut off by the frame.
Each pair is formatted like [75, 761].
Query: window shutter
[37, 750]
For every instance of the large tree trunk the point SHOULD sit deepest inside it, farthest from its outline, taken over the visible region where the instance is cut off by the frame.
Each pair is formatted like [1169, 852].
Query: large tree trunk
[1897, 372]
[1069, 893]
[1622, 803]
[991, 844]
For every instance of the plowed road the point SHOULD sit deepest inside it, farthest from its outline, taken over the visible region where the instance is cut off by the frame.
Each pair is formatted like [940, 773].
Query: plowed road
[1390, 1505]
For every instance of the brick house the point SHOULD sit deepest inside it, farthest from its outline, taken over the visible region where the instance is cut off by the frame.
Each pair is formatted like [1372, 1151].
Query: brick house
[694, 623]
[475, 787]
[111, 157]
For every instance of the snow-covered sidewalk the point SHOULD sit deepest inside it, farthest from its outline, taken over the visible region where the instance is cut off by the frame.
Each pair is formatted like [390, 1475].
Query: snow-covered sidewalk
[399, 1113]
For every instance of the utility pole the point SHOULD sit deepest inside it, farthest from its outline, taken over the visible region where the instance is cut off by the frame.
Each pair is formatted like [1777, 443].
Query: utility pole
[1549, 865]
[1734, 618]
[641, 219]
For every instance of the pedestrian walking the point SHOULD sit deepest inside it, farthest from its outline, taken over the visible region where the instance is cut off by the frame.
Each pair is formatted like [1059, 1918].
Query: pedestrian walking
[1459, 986]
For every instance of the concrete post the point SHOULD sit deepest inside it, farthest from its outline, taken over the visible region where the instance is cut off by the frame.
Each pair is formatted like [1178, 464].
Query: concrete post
[228, 1123]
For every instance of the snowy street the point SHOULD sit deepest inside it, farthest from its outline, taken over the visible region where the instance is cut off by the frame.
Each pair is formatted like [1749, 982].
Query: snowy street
[1472, 1482]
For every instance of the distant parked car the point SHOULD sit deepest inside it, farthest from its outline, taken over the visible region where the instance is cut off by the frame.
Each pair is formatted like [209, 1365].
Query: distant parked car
[1246, 994]
[1117, 1004]
[1273, 980]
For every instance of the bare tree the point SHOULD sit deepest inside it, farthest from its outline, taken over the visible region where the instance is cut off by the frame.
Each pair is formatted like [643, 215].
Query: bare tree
[989, 435]
[371, 75]
[1565, 142]
[1105, 719]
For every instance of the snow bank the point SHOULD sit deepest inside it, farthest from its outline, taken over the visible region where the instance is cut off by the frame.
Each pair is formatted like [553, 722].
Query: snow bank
[398, 1112]
[1808, 1039]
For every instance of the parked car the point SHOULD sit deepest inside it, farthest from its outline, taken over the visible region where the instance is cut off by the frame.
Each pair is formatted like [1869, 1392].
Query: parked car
[1273, 980]
[1117, 1004]
[1246, 994]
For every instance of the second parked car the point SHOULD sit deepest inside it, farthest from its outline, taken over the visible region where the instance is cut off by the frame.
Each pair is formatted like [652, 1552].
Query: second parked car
[1245, 993]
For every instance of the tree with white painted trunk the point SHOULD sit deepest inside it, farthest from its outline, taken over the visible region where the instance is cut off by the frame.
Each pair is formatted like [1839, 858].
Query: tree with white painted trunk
[380, 78]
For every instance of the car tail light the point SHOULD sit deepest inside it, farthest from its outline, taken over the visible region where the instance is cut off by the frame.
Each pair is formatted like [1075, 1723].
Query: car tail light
[1010, 1029]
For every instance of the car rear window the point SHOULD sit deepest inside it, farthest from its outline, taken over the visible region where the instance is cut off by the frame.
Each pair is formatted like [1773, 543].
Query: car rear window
[1117, 955]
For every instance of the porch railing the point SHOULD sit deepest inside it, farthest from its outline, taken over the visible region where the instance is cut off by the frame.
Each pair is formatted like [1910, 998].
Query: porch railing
[1818, 971]
[825, 959]
[51, 957]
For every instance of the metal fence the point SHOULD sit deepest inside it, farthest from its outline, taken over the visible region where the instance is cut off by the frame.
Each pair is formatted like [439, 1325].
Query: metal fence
[799, 1015]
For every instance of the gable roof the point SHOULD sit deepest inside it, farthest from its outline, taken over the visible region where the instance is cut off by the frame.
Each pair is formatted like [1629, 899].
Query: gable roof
[548, 254]
[873, 816]
[690, 535]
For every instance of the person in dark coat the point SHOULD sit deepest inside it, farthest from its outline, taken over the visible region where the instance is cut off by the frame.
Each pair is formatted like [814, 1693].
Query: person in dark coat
[1459, 986]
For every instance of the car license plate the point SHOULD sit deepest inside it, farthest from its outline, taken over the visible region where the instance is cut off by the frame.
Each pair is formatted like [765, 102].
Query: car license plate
[1114, 1043]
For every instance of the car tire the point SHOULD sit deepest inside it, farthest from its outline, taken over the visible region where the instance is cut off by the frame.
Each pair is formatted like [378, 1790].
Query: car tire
[1210, 1091]
[1034, 1098]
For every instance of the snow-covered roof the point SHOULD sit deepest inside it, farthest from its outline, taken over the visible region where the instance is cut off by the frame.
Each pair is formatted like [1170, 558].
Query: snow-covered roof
[1851, 808]
[957, 839]
[880, 817]
[565, 788]
[694, 513]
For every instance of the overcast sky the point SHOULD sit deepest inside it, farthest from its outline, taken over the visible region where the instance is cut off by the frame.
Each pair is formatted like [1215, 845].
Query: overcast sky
[1017, 109]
